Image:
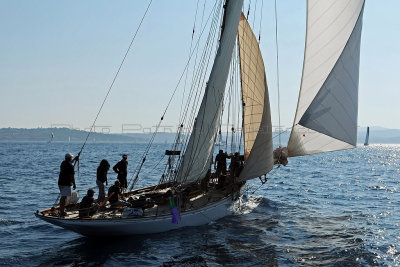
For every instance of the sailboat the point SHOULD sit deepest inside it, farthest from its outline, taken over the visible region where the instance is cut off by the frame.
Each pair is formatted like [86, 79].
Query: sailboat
[51, 137]
[325, 120]
[367, 137]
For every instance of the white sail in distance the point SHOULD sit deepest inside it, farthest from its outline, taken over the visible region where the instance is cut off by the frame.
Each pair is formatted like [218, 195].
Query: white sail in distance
[326, 115]
[199, 151]
[367, 137]
[258, 147]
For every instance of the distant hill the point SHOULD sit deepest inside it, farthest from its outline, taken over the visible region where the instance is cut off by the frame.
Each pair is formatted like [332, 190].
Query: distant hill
[378, 135]
[66, 135]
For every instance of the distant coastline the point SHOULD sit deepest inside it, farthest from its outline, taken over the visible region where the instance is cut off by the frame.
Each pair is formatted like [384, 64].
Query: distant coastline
[378, 135]
[72, 135]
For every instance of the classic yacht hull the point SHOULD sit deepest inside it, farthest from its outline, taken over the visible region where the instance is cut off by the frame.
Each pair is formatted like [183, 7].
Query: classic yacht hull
[145, 225]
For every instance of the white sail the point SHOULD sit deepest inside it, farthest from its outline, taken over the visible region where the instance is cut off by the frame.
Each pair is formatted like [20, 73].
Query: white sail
[326, 116]
[256, 109]
[199, 151]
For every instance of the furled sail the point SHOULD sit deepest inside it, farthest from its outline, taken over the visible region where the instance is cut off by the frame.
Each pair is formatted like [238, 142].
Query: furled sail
[326, 116]
[257, 126]
[199, 151]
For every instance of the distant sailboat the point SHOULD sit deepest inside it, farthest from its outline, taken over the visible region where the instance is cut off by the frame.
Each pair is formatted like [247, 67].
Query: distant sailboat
[367, 137]
[51, 137]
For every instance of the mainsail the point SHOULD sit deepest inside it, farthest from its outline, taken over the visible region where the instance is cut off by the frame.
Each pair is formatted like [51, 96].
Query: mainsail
[257, 126]
[326, 116]
[199, 151]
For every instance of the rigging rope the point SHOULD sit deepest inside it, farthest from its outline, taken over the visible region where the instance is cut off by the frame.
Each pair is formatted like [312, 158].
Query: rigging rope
[190, 51]
[259, 33]
[277, 70]
[115, 77]
[199, 81]
[248, 11]
[239, 98]
[271, 173]
[140, 164]
[254, 14]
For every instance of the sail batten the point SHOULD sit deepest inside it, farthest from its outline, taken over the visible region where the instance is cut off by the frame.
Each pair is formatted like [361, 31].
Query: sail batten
[198, 155]
[326, 115]
[256, 109]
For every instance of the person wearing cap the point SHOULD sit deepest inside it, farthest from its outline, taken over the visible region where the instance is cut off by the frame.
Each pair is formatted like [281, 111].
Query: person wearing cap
[66, 179]
[87, 207]
[122, 169]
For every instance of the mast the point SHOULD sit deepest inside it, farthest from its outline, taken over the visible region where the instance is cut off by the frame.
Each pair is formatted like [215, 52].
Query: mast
[199, 151]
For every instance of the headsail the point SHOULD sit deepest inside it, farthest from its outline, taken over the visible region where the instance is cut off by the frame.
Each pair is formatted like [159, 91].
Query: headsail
[256, 109]
[326, 116]
[199, 151]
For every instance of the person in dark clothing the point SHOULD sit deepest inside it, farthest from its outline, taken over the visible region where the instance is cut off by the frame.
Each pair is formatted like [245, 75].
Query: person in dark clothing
[122, 169]
[87, 207]
[220, 163]
[115, 199]
[102, 171]
[66, 179]
[235, 165]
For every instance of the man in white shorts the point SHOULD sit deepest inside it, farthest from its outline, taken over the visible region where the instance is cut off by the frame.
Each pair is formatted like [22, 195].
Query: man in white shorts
[65, 180]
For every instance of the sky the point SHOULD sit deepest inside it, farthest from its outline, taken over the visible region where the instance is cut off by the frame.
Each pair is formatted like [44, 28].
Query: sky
[58, 59]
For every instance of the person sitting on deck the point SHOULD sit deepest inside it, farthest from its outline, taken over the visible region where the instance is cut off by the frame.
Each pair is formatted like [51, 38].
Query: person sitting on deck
[87, 207]
[122, 169]
[220, 163]
[115, 199]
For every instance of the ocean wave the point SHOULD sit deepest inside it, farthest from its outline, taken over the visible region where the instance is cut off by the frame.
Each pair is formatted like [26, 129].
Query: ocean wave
[9, 222]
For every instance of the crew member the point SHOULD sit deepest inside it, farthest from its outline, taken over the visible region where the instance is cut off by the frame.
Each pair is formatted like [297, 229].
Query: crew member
[102, 171]
[122, 169]
[66, 179]
[116, 199]
[235, 165]
[220, 163]
[87, 207]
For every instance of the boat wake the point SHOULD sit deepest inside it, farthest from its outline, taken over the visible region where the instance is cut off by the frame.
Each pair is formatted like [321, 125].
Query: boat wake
[246, 204]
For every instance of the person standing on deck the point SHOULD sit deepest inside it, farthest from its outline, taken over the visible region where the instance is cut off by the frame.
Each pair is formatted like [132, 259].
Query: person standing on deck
[235, 168]
[122, 169]
[220, 163]
[102, 171]
[65, 180]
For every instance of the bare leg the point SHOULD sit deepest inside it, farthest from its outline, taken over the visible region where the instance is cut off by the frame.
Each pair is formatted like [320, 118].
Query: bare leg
[62, 204]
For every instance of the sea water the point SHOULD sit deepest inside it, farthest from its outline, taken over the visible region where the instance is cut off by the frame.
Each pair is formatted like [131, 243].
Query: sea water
[333, 209]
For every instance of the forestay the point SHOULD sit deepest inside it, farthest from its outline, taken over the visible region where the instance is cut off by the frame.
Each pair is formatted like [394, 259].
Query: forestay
[326, 116]
[199, 151]
[256, 109]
